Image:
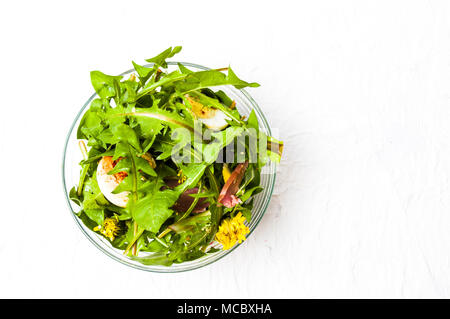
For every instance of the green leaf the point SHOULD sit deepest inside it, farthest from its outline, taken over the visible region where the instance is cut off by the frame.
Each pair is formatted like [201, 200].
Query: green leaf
[160, 59]
[238, 83]
[250, 192]
[193, 172]
[74, 196]
[150, 117]
[143, 72]
[184, 69]
[167, 79]
[151, 211]
[165, 147]
[97, 215]
[144, 166]
[199, 220]
[93, 201]
[86, 220]
[205, 79]
[181, 150]
[156, 246]
[90, 125]
[175, 50]
[134, 166]
[252, 121]
[154, 259]
[128, 91]
[274, 149]
[107, 137]
[121, 150]
[246, 212]
[223, 98]
[124, 165]
[94, 155]
[251, 177]
[125, 133]
[104, 84]
[221, 139]
[149, 126]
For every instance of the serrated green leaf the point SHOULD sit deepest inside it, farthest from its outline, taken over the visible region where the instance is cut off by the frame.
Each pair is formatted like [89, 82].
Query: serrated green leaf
[193, 172]
[104, 84]
[151, 211]
[144, 72]
[210, 78]
[125, 133]
[160, 59]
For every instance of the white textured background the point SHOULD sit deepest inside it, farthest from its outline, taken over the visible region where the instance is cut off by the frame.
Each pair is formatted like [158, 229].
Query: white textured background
[360, 93]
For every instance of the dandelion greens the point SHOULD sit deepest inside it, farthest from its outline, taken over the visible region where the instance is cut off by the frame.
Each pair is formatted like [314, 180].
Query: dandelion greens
[157, 179]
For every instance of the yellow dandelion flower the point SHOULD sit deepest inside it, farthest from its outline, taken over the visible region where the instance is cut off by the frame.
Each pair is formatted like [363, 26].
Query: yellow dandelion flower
[181, 178]
[110, 227]
[232, 230]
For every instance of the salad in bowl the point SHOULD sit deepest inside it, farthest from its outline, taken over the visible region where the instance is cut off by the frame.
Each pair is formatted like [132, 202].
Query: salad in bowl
[171, 171]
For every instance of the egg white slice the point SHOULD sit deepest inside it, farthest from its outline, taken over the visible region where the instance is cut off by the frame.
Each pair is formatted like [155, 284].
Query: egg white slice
[217, 122]
[107, 183]
[212, 118]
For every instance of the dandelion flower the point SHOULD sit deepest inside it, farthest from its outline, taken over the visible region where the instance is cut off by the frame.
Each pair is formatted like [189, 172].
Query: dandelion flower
[110, 227]
[181, 177]
[232, 230]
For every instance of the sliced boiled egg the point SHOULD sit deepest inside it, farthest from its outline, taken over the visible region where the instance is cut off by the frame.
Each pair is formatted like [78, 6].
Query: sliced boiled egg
[214, 119]
[107, 183]
[217, 121]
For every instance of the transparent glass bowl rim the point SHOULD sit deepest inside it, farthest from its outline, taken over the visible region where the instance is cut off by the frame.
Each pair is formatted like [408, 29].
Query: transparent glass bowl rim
[141, 266]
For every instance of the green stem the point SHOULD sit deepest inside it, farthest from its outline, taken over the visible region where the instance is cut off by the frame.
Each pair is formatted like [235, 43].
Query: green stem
[135, 196]
[84, 169]
[150, 143]
[155, 85]
[156, 116]
[161, 242]
[212, 180]
[217, 213]
[97, 157]
[198, 241]
[165, 232]
[133, 241]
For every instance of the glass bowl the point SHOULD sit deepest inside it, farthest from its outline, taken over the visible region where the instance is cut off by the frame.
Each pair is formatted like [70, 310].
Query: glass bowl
[71, 172]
